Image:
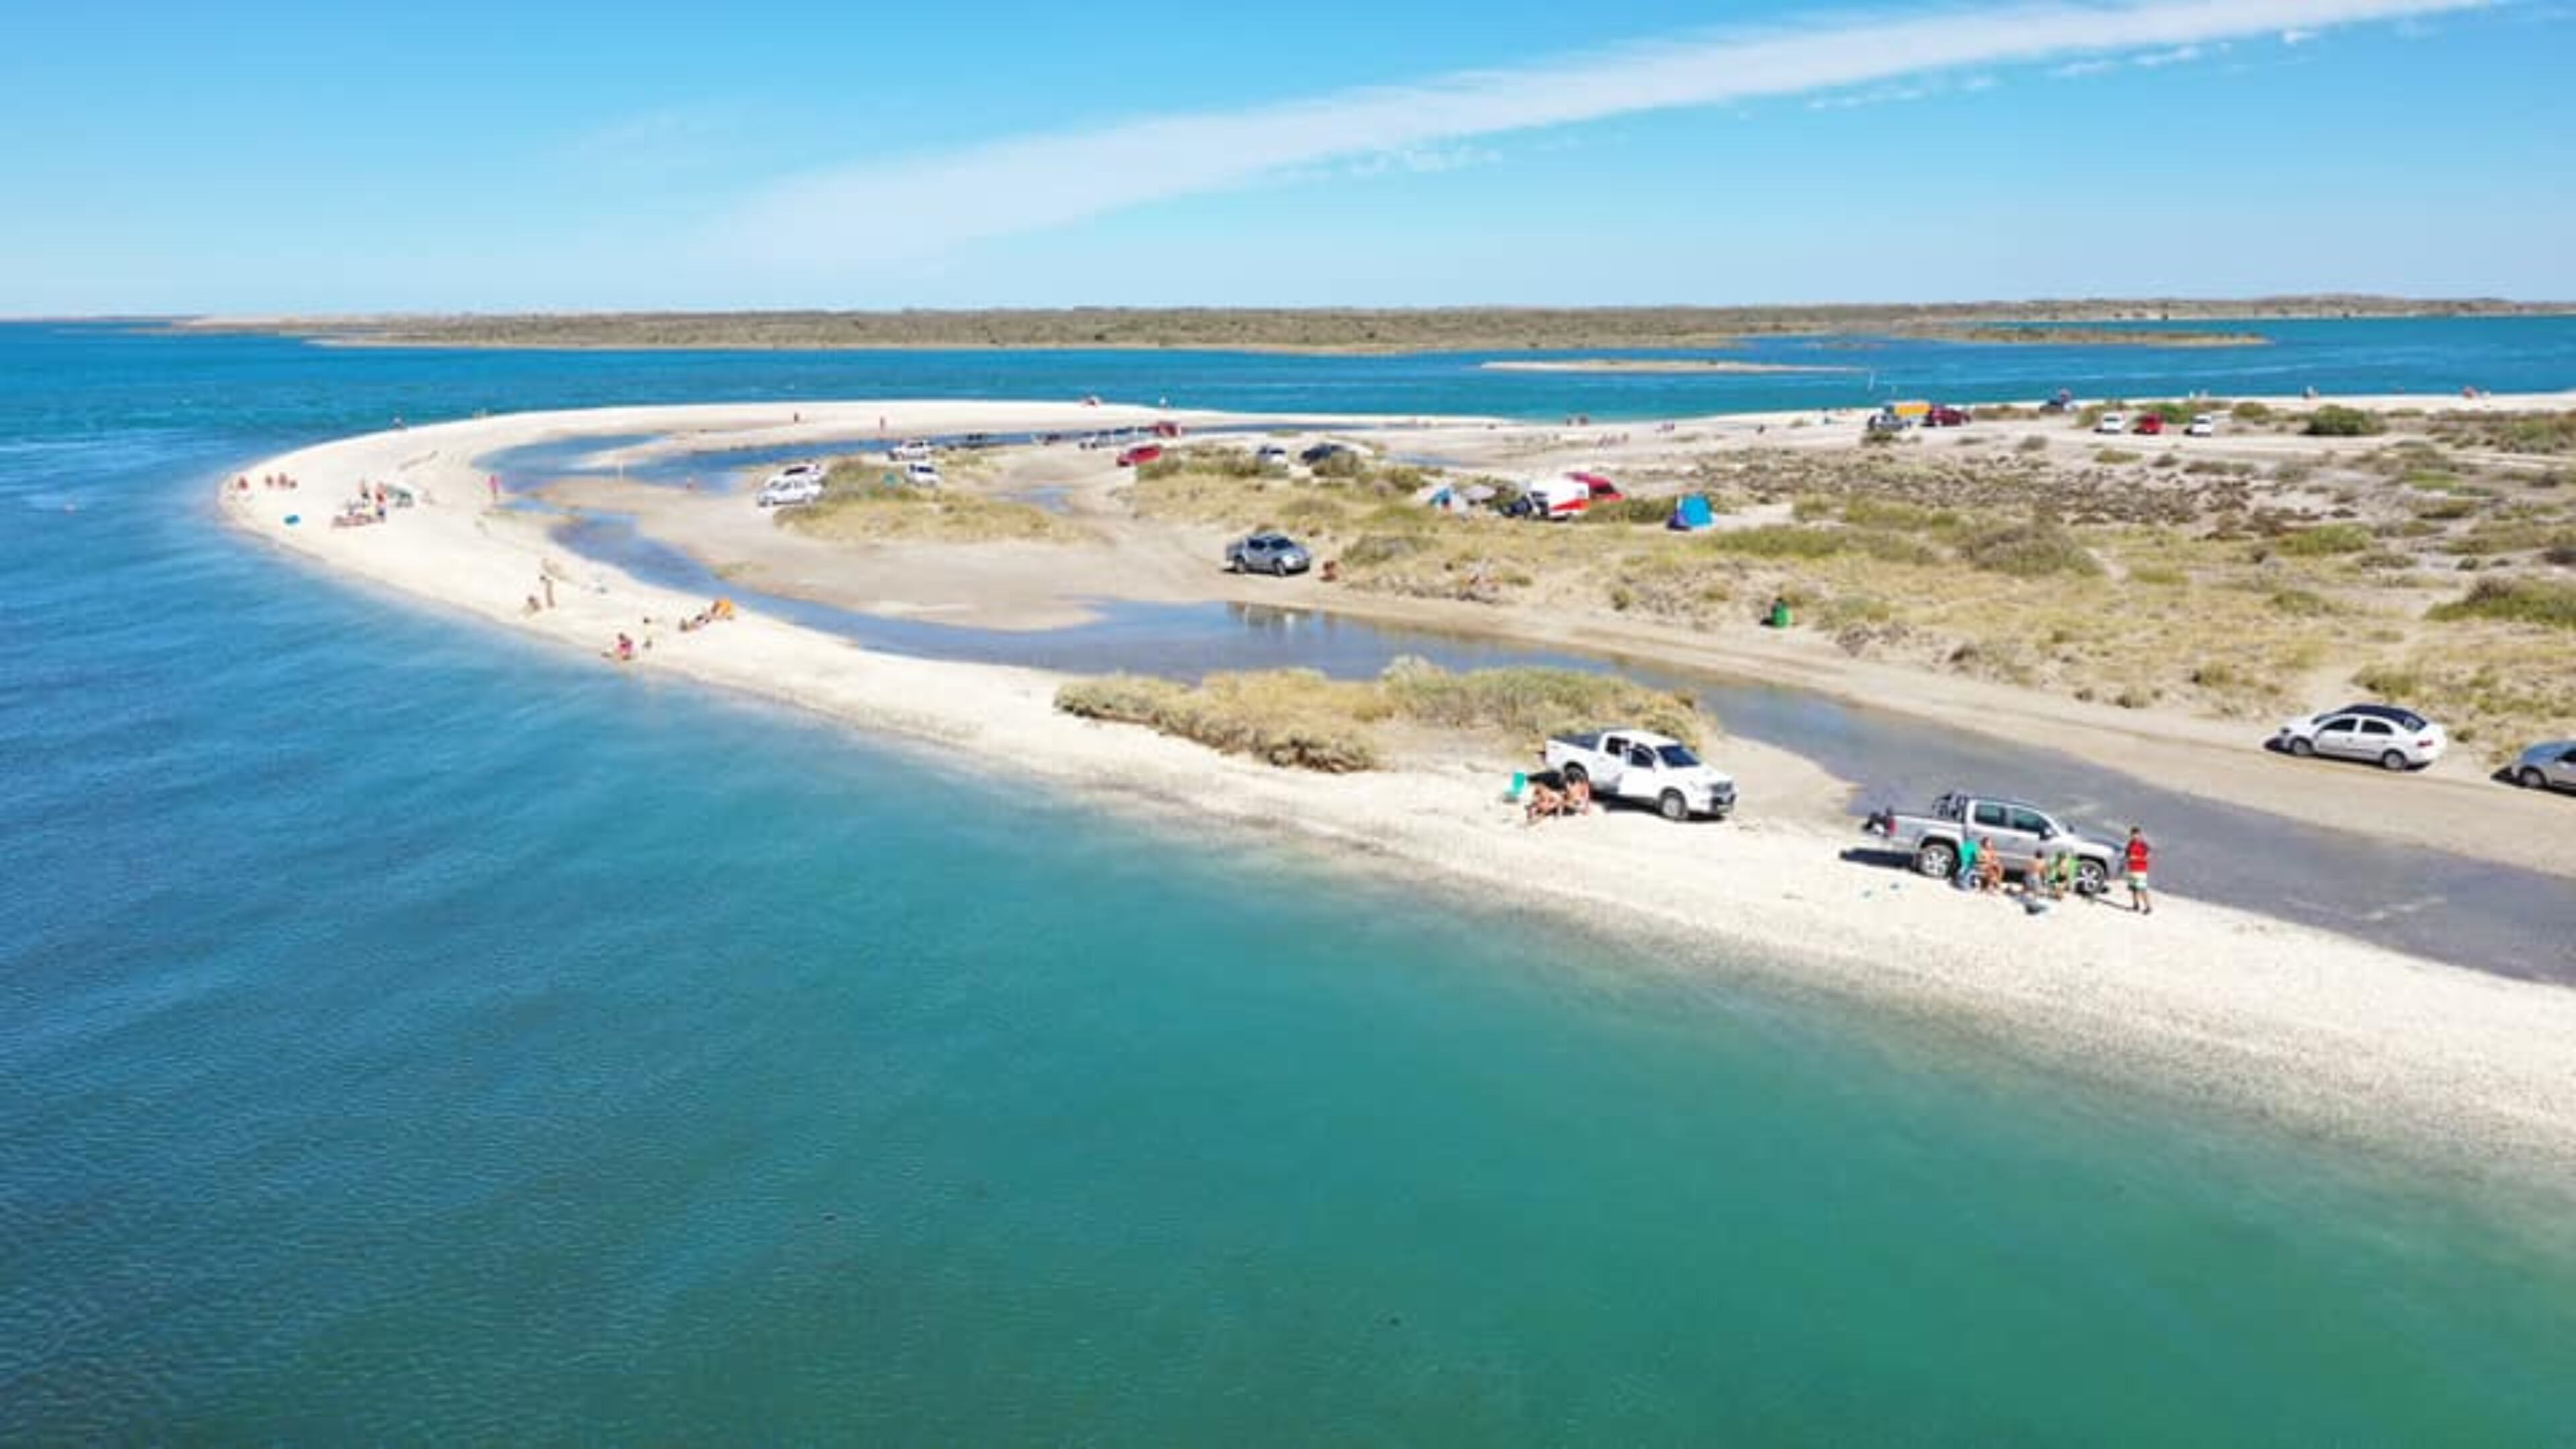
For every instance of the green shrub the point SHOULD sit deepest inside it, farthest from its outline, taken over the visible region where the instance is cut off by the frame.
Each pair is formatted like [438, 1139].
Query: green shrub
[1782, 540]
[2322, 541]
[2032, 444]
[2251, 412]
[2029, 550]
[2335, 421]
[2301, 603]
[2116, 455]
[1371, 549]
[1630, 510]
[1344, 464]
[2525, 601]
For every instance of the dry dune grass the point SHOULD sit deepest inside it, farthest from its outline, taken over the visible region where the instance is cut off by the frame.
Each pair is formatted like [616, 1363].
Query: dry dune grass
[1301, 719]
[861, 506]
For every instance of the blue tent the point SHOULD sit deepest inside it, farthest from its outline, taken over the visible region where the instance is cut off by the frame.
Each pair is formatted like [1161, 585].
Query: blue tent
[1690, 514]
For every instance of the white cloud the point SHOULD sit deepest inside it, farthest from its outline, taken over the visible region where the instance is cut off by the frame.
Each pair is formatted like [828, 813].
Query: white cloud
[2157, 59]
[2297, 37]
[920, 203]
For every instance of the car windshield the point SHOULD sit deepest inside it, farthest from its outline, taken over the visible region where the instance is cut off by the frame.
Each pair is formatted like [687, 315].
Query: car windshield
[1678, 757]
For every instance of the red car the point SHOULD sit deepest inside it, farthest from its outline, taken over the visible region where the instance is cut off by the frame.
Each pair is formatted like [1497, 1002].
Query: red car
[1946, 417]
[1602, 489]
[1141, 453]
[2150, 425]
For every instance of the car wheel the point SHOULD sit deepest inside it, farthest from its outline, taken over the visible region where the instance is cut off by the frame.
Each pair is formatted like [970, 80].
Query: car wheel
[1673, 806]
[1280, 567]
[1574, 776]
[2092, 877]
[2301, 748]
[2392, 760]
[1938, 859]
[2531, 778]
[1234, 563]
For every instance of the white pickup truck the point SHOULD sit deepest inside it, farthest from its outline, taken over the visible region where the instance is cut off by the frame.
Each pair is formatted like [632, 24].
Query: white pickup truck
[1639, 765]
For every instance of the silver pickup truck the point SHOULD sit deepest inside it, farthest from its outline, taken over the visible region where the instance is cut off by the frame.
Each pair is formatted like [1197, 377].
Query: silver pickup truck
[2023, 836]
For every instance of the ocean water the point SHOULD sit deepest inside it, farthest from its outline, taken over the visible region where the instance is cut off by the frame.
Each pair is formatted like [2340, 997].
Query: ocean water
[408, 1032]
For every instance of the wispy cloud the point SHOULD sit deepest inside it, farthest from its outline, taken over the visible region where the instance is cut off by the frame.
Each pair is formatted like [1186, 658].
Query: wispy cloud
[920, 203]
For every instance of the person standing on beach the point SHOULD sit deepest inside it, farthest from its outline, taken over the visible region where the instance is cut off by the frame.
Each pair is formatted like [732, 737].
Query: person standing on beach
[2141, 899]
[1966, 879]
[547, 582]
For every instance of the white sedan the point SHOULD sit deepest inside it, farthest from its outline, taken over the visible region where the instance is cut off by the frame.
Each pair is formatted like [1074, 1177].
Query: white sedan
[2385, 735]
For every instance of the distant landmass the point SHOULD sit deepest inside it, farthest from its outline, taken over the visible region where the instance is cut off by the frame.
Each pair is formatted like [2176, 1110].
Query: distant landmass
[1351, 330]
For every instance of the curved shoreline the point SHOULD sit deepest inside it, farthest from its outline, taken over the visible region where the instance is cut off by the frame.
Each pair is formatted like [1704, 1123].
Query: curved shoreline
[2335, 1036]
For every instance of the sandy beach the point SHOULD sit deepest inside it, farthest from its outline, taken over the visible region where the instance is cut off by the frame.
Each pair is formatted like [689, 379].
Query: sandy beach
[2338, 1037]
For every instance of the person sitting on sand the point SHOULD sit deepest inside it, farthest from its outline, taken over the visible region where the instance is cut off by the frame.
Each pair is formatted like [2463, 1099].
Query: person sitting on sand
[1578, 798]
[1544, 801]
[1990, 866]
[624, 652]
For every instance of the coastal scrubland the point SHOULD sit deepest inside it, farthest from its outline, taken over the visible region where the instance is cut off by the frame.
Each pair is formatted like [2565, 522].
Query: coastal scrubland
[1342, 329]
[1303, 719]
[2426, 556]
[863, 501]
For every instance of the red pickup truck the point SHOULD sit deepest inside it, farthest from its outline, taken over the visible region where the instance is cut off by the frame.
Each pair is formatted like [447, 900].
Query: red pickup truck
[1141, 453]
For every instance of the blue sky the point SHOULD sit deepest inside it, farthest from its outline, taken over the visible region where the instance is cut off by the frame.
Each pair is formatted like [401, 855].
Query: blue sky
[252, 158]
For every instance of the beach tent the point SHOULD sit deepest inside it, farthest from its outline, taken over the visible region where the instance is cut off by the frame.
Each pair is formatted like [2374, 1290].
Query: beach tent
[1691, 514]
[1440, 496]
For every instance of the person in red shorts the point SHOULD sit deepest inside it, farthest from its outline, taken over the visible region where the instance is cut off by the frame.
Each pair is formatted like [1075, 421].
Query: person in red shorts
[2140, 899]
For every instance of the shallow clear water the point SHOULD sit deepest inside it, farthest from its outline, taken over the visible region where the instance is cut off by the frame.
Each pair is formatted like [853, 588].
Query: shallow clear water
[407, 1031]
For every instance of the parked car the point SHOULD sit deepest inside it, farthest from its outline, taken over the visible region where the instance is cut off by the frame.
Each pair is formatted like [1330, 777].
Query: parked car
[1943, 416]
[1554, 498]
[1141, 453]
[791, 485]
[913, 450]
[2150, 425]
[2112, 423]
[1888, 420]
[2064, 402]
[1600, 489]
[2203, 425]
[1267, 553]
[1167, 429]
[2550, 766]
[2023, 834]
[1270, 455]
[922, 473]
[1322, 452]
[2393, 738]
[1644, 767]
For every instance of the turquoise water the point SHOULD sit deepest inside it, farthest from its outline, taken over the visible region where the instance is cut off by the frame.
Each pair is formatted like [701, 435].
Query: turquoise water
[406, 1031]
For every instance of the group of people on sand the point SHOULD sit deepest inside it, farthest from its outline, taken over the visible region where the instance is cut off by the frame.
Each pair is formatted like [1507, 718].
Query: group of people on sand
[271, 481]
[719, 610]
[2051, 877]
[1545, 801]
[625, 648]
[368, 507]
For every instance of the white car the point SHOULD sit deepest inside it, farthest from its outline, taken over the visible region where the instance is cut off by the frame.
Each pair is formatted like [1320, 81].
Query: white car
[922, 473]
[2112, 423]
[913, 451]
[1271, 455]
[2385, 735]
[2203, 425]
[793, 484]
